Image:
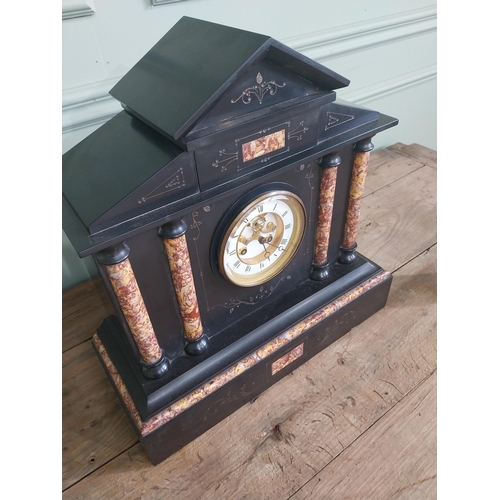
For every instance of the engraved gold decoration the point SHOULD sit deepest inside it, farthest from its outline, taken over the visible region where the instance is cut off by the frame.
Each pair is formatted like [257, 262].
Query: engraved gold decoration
[258, 91]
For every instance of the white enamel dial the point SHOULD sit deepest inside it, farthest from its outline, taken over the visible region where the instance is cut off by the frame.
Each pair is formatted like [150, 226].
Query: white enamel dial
[262, 239]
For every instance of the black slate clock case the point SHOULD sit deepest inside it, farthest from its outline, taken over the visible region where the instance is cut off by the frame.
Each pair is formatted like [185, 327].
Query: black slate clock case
[193, 106]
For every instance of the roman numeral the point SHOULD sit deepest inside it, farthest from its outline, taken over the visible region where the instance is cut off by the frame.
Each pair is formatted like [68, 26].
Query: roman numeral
[237, 264]
[288, 226]
[284, 213]
[248, 269]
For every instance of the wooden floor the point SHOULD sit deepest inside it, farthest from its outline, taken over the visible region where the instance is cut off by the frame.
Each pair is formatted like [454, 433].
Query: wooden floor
[358, 421]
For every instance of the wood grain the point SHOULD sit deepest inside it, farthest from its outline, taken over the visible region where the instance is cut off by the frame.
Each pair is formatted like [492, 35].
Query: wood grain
[95, 427]
[395, 458]
[386, 167]
[84, 307]
[425, 155]
[398, 222]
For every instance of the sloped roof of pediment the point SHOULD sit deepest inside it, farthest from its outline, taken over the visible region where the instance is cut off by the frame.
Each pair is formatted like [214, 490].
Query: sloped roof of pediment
[184, 75]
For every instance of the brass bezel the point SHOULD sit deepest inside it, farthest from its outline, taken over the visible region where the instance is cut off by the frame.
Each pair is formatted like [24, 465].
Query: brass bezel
[298, 209]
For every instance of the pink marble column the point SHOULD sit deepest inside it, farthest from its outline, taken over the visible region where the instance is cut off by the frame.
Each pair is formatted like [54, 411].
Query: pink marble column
[177, 251]
[122, 279]
[359, 170]
[329, 164]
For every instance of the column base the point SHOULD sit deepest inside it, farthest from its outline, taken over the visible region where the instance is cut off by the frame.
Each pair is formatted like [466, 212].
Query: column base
[319, 272]
[156, 370]
[347, 255]
[196, 347]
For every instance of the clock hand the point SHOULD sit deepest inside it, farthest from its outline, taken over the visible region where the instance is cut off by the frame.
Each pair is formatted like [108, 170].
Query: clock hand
[278, 246]
[266, 254]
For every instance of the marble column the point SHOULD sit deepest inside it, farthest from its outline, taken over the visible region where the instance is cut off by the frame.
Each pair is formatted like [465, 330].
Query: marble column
[174, 239]
[121, 276]
[359, 169]
[320, 265]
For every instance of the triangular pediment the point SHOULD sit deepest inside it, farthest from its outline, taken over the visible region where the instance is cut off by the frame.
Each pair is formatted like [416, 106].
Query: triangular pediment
[201, 73]
[124, 170]
[263, 88]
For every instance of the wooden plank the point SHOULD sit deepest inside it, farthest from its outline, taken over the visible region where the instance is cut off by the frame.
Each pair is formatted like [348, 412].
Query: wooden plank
[387, 166]
[421, 153]
[84, 308]
[95, 427]
[396, 458]
[270, 448]
[398, 222]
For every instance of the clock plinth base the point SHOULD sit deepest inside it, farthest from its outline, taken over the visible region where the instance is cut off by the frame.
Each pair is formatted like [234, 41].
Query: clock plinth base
[167, 417]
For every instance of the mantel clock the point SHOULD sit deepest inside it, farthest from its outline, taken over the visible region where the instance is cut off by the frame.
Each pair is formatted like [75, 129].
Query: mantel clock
[221, 207]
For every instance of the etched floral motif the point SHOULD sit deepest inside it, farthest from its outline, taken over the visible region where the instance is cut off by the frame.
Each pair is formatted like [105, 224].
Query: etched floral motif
[196, 225]
[298, 132]
[225, 160]
[258, 91]
[263, 293]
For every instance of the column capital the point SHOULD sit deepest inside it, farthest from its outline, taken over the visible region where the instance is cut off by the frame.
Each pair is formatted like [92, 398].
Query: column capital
[172, 229]
[113, 255]
[364, 145]
[330, 160]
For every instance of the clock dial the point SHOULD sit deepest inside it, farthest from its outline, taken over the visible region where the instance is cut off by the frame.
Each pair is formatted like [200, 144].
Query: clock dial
[262, 239]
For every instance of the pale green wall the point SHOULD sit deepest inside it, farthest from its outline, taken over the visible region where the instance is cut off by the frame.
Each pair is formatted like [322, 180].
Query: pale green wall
[386, 48]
